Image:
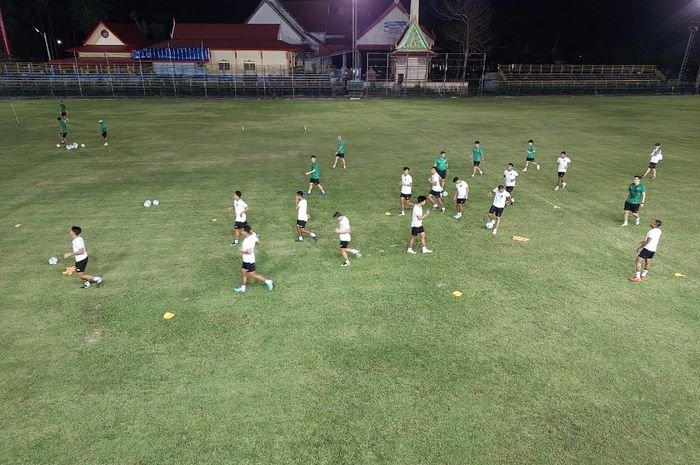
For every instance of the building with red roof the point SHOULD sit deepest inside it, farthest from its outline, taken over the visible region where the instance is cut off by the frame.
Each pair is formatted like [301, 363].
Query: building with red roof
[325, 27]
[108, 43]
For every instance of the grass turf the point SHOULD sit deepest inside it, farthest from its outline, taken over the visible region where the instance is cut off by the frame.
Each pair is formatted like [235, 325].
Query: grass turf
[550, 356]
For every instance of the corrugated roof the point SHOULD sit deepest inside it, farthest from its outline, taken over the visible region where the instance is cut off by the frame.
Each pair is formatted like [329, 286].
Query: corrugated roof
[262, 32]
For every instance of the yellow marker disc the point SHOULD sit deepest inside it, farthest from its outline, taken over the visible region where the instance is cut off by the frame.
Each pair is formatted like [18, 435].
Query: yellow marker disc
[457, 294]
[168, 316]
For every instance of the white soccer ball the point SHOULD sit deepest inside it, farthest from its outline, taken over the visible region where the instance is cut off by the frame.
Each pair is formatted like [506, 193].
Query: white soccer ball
[489, 225]
[156, 203]
[147, 203]
[53, 261]
[82, 146]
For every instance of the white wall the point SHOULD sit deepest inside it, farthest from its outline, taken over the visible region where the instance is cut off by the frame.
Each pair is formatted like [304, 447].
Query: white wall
[97, 39]
[266, 15]
[376, 35]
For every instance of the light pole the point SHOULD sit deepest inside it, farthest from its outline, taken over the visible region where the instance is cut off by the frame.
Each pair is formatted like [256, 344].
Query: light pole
[46, 42]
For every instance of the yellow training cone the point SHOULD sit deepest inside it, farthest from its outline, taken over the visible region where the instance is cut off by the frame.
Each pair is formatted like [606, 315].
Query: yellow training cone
[457, 294]
[168, 316]
[520, 239]
[214, 220]
[18, 225]
[557, 206]
[387, 213]
[679, 275]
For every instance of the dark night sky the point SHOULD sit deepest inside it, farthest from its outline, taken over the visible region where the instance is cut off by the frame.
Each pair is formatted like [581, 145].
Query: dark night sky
[591, 31]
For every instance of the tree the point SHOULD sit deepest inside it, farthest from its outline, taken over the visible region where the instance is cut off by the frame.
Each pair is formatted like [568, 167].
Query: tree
[466, 23]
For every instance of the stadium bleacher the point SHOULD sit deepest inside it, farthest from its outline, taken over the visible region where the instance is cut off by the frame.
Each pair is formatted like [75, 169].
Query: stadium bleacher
[577, 73]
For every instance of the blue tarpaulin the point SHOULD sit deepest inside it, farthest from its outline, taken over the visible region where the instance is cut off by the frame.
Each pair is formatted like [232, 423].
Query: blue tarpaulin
[180, 54]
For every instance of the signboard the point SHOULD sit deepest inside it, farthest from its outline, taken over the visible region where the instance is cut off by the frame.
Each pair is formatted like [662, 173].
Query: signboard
[178, 54]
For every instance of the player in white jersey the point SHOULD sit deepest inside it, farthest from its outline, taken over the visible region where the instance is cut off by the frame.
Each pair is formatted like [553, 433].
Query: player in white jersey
[461, 196]
[509, 178]
[436, 190]
[250, 240]
[501, 198]
[240, 208]
[563, 163]
[417, 226]
[343, 230]
[406, 189]
[647, 248]
[654, 159]
[81, 257]
[302, 217]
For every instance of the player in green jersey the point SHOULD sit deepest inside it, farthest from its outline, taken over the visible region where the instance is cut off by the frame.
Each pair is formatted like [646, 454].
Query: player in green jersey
[62, 131]
[530, 158]
[103, 132]
[442, 166]
[340, 153]
[636, 197]
[477, 157]
[315, 174]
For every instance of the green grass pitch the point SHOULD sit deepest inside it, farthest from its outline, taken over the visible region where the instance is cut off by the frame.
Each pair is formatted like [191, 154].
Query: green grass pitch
[550, 357]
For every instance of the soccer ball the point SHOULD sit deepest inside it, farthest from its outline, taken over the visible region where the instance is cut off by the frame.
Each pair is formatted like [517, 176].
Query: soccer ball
[58, 146]
[489, 225]
[53, 261]
[82, 146]
[156, 203]
[147, 203]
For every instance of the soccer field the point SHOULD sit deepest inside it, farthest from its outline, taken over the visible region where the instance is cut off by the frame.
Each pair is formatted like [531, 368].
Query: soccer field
[551, 356]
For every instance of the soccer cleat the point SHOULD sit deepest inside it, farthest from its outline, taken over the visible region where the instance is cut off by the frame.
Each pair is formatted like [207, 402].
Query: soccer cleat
[98, 280]
[556, 188]
[636, 221]
[269, 285]
[512, 200]
[106, 144]
[651, 179]
[426, 250]
[402, 214]
[315, 238]
[643, 277]
[472, 175]
[86, 285]
[234, 244]
[308, 193]
[442, 210]
[298, 240]
[538, 167]
[239, 290]
[563, 185]
[322, 194]
[634, 279]
[524, 169]
[624, 224]
[346, 263]
[494, 231]
[411, 251]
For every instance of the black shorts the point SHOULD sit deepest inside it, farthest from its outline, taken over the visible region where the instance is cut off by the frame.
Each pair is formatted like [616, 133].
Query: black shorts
[81, 266]
[344, 244]
[104, 134]
[561, 174]
[442, 173]
[315, 180]
[477, 163]
[340, 155]
[461, 201]
[496, 211]
[436, 194]
[530, 159]
[652, 165]
[248, 266]
[646, 254]
[64, 134]
[240, 224]
[510, 188]
[415, 230]
[63, 113]
[406, 196]
[301, 223]
[631, 207]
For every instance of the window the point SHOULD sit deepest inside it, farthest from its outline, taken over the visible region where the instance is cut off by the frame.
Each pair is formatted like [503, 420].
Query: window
[224, 66]
[249, 66]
